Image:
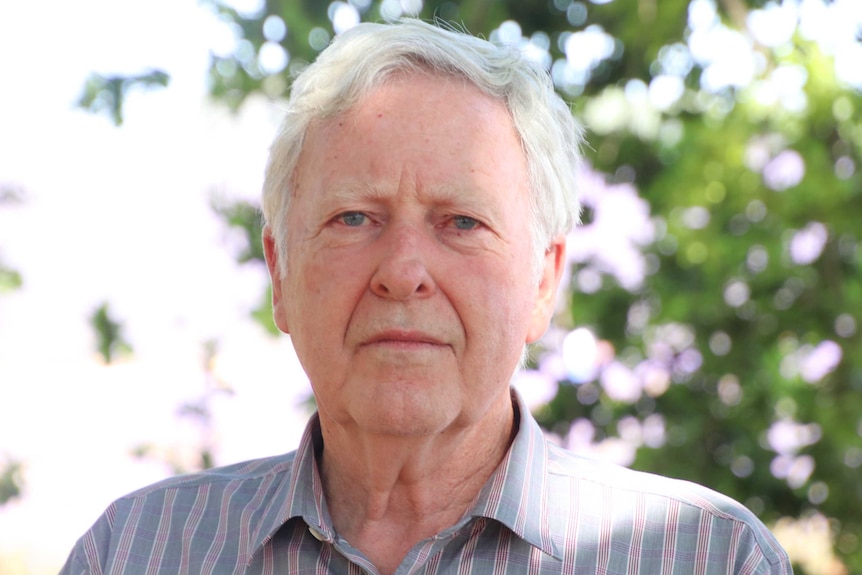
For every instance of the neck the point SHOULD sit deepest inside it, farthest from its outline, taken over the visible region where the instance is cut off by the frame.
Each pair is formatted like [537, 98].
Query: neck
[386, 493]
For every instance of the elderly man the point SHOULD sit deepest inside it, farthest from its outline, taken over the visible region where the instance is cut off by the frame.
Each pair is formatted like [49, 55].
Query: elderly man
[417, 201]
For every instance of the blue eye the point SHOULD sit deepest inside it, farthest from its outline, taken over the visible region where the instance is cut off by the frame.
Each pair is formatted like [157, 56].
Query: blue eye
[465, 222]
[353, 219]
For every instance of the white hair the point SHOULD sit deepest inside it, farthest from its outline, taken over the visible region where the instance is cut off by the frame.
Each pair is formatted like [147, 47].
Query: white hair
[364, 57]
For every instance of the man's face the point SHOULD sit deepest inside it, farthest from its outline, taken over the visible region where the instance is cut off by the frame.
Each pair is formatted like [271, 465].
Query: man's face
[409, 294]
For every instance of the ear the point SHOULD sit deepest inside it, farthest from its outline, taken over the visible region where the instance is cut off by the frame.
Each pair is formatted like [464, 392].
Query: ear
[546, 291]
[271, 252]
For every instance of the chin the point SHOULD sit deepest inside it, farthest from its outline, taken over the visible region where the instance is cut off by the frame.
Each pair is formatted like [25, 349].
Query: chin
[405, 419]
[401, 427]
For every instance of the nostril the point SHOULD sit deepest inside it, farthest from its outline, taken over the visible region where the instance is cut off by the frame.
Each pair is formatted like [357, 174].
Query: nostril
[401, 279]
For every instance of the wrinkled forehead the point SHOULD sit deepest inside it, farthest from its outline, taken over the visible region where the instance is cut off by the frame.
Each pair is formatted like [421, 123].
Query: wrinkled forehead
[383, 99]
[420, 133]
[442, 115]
[352, 94]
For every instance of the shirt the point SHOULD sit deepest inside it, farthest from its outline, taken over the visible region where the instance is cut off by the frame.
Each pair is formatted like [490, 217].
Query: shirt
[543, 511]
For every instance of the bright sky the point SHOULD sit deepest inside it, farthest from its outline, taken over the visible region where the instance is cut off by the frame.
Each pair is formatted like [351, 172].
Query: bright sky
[121, 214]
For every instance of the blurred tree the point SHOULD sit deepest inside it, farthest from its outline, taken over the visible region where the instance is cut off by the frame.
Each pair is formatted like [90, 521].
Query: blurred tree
[198, 411]
[245, 217]
[10, 279]
[711, 331]
[106, 94]
[11, 481]
[11, 472]
[109, 335]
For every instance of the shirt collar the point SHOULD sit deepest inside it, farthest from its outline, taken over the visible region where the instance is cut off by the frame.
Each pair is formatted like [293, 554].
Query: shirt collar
[299, 494]
[515, 494]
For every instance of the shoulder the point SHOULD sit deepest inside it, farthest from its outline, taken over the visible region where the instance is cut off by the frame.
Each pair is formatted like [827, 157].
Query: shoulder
[253, 471]
[659, 511]
[185, 512]
[237, 483]
[568, 466]
[241, 487]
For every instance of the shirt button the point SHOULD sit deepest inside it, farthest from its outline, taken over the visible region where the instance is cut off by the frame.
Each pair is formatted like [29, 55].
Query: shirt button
[316, 534]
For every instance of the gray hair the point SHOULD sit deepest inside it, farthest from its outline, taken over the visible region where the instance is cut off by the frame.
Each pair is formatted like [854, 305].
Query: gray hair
[364, 57]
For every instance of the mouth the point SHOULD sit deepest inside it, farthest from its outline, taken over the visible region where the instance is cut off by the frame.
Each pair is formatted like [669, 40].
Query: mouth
[405, 339]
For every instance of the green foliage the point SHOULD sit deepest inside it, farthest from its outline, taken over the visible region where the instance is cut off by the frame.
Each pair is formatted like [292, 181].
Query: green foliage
[10, 279]
[11, 481]
[110, 342]
[107, 93]
[262, 314]
[247, 219]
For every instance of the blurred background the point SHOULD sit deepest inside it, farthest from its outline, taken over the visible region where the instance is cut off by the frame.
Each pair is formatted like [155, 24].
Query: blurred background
[709, 325]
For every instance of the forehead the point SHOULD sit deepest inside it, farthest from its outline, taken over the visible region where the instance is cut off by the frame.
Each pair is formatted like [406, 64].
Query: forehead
[419, 122]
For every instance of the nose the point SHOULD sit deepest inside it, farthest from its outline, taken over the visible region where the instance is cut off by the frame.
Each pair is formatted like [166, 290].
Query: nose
[402, 270]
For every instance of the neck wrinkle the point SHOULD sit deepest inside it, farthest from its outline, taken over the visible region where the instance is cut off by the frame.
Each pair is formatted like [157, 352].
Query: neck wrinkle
[423, 485]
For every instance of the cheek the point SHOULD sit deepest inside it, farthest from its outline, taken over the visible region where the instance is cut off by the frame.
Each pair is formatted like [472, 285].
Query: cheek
[309, 276]
[494, 305]
[323, 291]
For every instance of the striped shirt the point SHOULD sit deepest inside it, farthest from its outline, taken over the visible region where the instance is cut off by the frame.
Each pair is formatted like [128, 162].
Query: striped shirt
[544, 510]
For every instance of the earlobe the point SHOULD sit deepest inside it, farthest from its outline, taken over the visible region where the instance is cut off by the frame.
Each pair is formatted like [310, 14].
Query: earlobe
[546, 296]
[271, 253]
